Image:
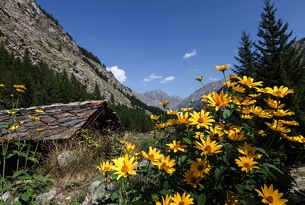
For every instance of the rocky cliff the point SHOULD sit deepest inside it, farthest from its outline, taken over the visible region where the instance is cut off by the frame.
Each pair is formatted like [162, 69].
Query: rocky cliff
[24, 26]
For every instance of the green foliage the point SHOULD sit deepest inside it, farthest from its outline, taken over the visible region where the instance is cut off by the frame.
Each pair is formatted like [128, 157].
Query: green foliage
[133, 119]
[44, 86]
[275, 60]
[90, 55]
[17, 158]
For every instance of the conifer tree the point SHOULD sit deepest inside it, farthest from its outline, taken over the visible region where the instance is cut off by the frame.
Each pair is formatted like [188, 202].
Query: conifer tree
[279, 62]
[246, 57]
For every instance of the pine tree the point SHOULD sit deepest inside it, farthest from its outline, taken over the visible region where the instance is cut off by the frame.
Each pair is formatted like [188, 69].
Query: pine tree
[275, 49]
[279, 62]
[246, 57]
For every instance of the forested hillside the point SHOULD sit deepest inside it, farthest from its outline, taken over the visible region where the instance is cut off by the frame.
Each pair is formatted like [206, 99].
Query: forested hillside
[45, 86]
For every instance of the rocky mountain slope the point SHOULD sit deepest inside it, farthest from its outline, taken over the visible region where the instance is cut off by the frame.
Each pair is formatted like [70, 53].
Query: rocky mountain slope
[24, 26]
[154, 98]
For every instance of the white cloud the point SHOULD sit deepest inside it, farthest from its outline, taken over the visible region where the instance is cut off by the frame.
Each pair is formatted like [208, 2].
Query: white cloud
[169, 78]
[213, 79]
[152, 77]
[118, 73]
[188, 55]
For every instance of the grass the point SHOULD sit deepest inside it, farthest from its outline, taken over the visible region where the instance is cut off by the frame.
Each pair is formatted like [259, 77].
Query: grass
[90, 148]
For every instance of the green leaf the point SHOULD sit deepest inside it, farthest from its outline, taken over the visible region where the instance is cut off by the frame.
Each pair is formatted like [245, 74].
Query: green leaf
[3, 126]
[226, 113]
[201, 199]
[217, 173]
[138, 203]
[261, 150]
[114, 196]
[187, 140]
[271, 166]
[248, 201]
[18, 173]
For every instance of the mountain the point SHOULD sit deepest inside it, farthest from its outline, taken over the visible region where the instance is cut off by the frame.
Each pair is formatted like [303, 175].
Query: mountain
[25, 27]
[153, 98]
[194, 100]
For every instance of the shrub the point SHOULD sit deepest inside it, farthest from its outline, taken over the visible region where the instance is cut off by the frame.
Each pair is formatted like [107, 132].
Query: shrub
[229, 152]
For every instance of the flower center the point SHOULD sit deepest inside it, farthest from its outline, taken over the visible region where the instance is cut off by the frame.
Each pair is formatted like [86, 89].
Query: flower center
[269, 199]
[247, 165]
[208, 149]
[151, 156]
[200, 120]
[200, 167]
[181, 203]
[125, 168]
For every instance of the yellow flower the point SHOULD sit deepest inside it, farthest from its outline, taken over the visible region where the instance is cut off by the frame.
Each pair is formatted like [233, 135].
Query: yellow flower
[215, 132]
[236, 135]
[154, 117]
[247, 117]
[167, 164]
[286, 122]
[39, 111]
[164, 103]
[124, 166]
[186, 109]
[191, 179]
[130, 147]
[1, 85]
[216, 100]
[258, 111]
[199, 78]
[153, 155]
[20, 88]
[232, 200]
[281, 113]
[172, 122]
[208, 147]
[278, 91]
[261, 133]
[243, 101]
[277, 126]
[176, 146]
[298, 138]
[198, 135]
[229, 84]
[248, 81]
[185, 199]
[105, 167]
[275, 104]
[246, 164]
[201, 119]
[200, 167]
[165, 201]
[34, 118]
[222, 67]
[171, 112]
[183, 118]
[161, 126]
[248, 151]
[227, 128]
[271, 196]
[14, 127]
[239, 89]
[11, 112]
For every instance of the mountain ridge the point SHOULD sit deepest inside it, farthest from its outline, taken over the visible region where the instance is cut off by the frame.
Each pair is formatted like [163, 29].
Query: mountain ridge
[153, 98]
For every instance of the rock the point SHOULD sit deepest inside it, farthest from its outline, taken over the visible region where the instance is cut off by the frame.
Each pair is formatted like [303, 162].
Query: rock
[46, 198]
[66, 158]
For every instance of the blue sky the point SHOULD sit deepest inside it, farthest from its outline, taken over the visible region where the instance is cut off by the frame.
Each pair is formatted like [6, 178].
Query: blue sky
[165, 44]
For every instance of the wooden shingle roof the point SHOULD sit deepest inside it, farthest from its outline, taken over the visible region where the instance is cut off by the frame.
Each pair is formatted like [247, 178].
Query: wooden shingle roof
[58, 121]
